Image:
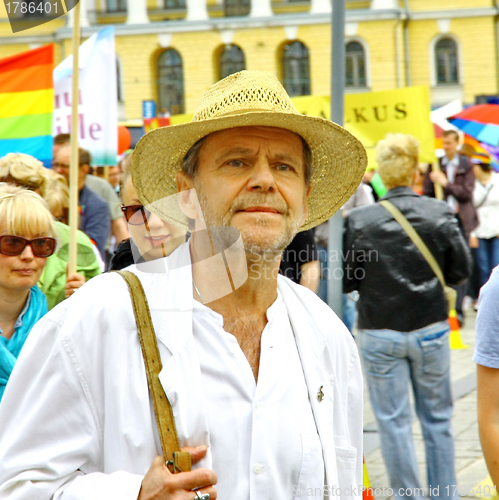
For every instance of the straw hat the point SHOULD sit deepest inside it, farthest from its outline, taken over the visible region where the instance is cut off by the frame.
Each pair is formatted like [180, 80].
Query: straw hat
[250, 98]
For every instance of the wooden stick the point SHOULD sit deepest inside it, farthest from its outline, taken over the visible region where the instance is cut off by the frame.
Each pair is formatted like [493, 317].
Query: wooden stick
[74, 162]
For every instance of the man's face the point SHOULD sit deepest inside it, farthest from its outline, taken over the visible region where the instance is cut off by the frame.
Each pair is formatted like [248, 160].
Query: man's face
[61, 166]
[449, 144]
[114, 176]
[253, 178]
[61, 162]
[57, 147]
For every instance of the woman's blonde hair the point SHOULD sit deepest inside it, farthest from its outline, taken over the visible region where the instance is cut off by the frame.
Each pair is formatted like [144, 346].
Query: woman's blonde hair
[24, 213]
[23, 170]
[397, 157]
[56, 192]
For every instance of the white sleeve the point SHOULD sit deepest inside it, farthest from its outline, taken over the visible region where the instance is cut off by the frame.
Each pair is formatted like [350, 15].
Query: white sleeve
[355, 413]
[51, 438]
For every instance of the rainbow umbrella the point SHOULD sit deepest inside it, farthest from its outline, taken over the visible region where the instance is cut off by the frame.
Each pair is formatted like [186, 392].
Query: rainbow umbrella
[487, 133]
[480, 122]
[481, 113]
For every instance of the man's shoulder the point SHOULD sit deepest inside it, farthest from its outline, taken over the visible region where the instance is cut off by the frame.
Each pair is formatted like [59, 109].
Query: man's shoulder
[433, 204]
[106, 292]
[365, 214]
[101, 187]
[320, 314]
[93, 199]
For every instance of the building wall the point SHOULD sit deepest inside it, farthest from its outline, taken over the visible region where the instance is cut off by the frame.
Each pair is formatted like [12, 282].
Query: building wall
[262, 44]
[433, 5]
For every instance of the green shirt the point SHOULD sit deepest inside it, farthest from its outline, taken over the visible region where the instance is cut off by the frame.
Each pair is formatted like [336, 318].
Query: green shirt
[53, 278]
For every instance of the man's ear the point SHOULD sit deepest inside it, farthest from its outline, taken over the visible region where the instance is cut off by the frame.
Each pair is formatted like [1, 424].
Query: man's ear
[187, 197]
[305, 204]
[86, 168]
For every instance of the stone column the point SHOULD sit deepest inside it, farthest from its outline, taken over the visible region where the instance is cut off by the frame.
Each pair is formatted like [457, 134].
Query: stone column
[261, 8]
[384, 4]
[84, 23]
[196, 10]
[320, 7]
[137, 12]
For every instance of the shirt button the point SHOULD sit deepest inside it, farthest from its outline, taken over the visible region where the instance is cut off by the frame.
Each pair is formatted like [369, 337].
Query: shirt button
[257, 469]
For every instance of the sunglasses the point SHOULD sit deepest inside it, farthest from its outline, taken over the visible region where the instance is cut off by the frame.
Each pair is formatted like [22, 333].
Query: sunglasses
[136, 214]
[14, 245]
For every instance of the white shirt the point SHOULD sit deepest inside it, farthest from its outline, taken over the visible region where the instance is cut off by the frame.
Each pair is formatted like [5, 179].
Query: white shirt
[487, 207]
[76, 418]
[268, 427]
[451, 167]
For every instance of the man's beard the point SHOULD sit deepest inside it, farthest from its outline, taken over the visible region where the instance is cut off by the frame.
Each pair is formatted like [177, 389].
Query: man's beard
[252, 243]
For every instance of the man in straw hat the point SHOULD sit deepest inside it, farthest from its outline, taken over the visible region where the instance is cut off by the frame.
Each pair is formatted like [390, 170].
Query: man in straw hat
[263, 379]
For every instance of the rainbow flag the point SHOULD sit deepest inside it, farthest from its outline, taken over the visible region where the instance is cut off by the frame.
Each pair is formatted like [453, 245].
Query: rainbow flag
[26, 103]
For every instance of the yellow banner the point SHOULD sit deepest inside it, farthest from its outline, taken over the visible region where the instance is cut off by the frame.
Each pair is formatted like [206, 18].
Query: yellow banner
[370, 116]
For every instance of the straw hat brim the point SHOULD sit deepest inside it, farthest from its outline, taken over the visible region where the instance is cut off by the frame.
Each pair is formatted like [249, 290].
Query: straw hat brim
[338, 160]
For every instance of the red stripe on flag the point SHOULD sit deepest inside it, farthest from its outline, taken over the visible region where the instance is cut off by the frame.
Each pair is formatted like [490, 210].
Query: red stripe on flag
[36, 57]
[24, 79]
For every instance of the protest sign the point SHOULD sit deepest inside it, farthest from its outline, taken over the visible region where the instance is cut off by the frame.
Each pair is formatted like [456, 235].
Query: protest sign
[97, 104]
[370, 116]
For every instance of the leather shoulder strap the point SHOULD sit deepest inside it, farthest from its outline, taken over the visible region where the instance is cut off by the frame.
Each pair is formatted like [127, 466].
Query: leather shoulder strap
[179, 460]
[416, 239]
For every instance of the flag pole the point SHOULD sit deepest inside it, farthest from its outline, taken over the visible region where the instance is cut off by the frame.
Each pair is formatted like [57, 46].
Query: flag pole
[74, 162]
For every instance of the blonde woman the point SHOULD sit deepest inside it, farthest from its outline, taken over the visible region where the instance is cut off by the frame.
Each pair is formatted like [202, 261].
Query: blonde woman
[152, 237]
[27, 239]
[25, 171]
[403, 333]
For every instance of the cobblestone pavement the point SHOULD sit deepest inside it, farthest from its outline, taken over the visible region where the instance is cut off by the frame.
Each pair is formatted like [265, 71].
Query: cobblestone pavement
[472, 475]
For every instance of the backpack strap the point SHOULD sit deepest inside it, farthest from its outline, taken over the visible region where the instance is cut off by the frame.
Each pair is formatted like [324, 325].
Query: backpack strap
[176, 460]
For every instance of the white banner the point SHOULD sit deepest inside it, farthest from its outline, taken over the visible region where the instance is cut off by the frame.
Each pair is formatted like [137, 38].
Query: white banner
[98, 101]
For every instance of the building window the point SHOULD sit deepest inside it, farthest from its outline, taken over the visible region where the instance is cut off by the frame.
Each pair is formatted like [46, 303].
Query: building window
[296, 69]
[116, 5]
[231, 60]
[171, 83]
[355, 65]
[237, 7]
[446, 61]
[173, 4]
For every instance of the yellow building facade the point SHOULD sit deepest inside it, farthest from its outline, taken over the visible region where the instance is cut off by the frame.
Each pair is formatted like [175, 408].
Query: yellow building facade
[171, 51]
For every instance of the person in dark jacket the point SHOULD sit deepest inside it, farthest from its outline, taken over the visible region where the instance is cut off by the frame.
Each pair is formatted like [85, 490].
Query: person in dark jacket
[457, 179]
[403, 334]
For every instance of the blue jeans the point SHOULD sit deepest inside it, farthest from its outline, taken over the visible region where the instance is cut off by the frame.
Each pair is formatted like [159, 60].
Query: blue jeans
[393, 360]
[487, 255]
[350, 309]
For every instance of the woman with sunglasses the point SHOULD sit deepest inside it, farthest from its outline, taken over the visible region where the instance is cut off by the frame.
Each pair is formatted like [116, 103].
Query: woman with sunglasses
[25, 171]
[27, 238]
[151, 237]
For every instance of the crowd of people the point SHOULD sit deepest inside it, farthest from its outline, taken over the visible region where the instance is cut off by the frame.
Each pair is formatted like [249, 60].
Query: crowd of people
[242, 345]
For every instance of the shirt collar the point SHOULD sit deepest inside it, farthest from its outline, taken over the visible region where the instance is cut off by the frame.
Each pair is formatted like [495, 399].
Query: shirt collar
[274, 309]
[454, 161]
[19, 321]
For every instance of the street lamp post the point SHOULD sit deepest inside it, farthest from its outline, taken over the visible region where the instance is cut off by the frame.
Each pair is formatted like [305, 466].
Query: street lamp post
[335, 261]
